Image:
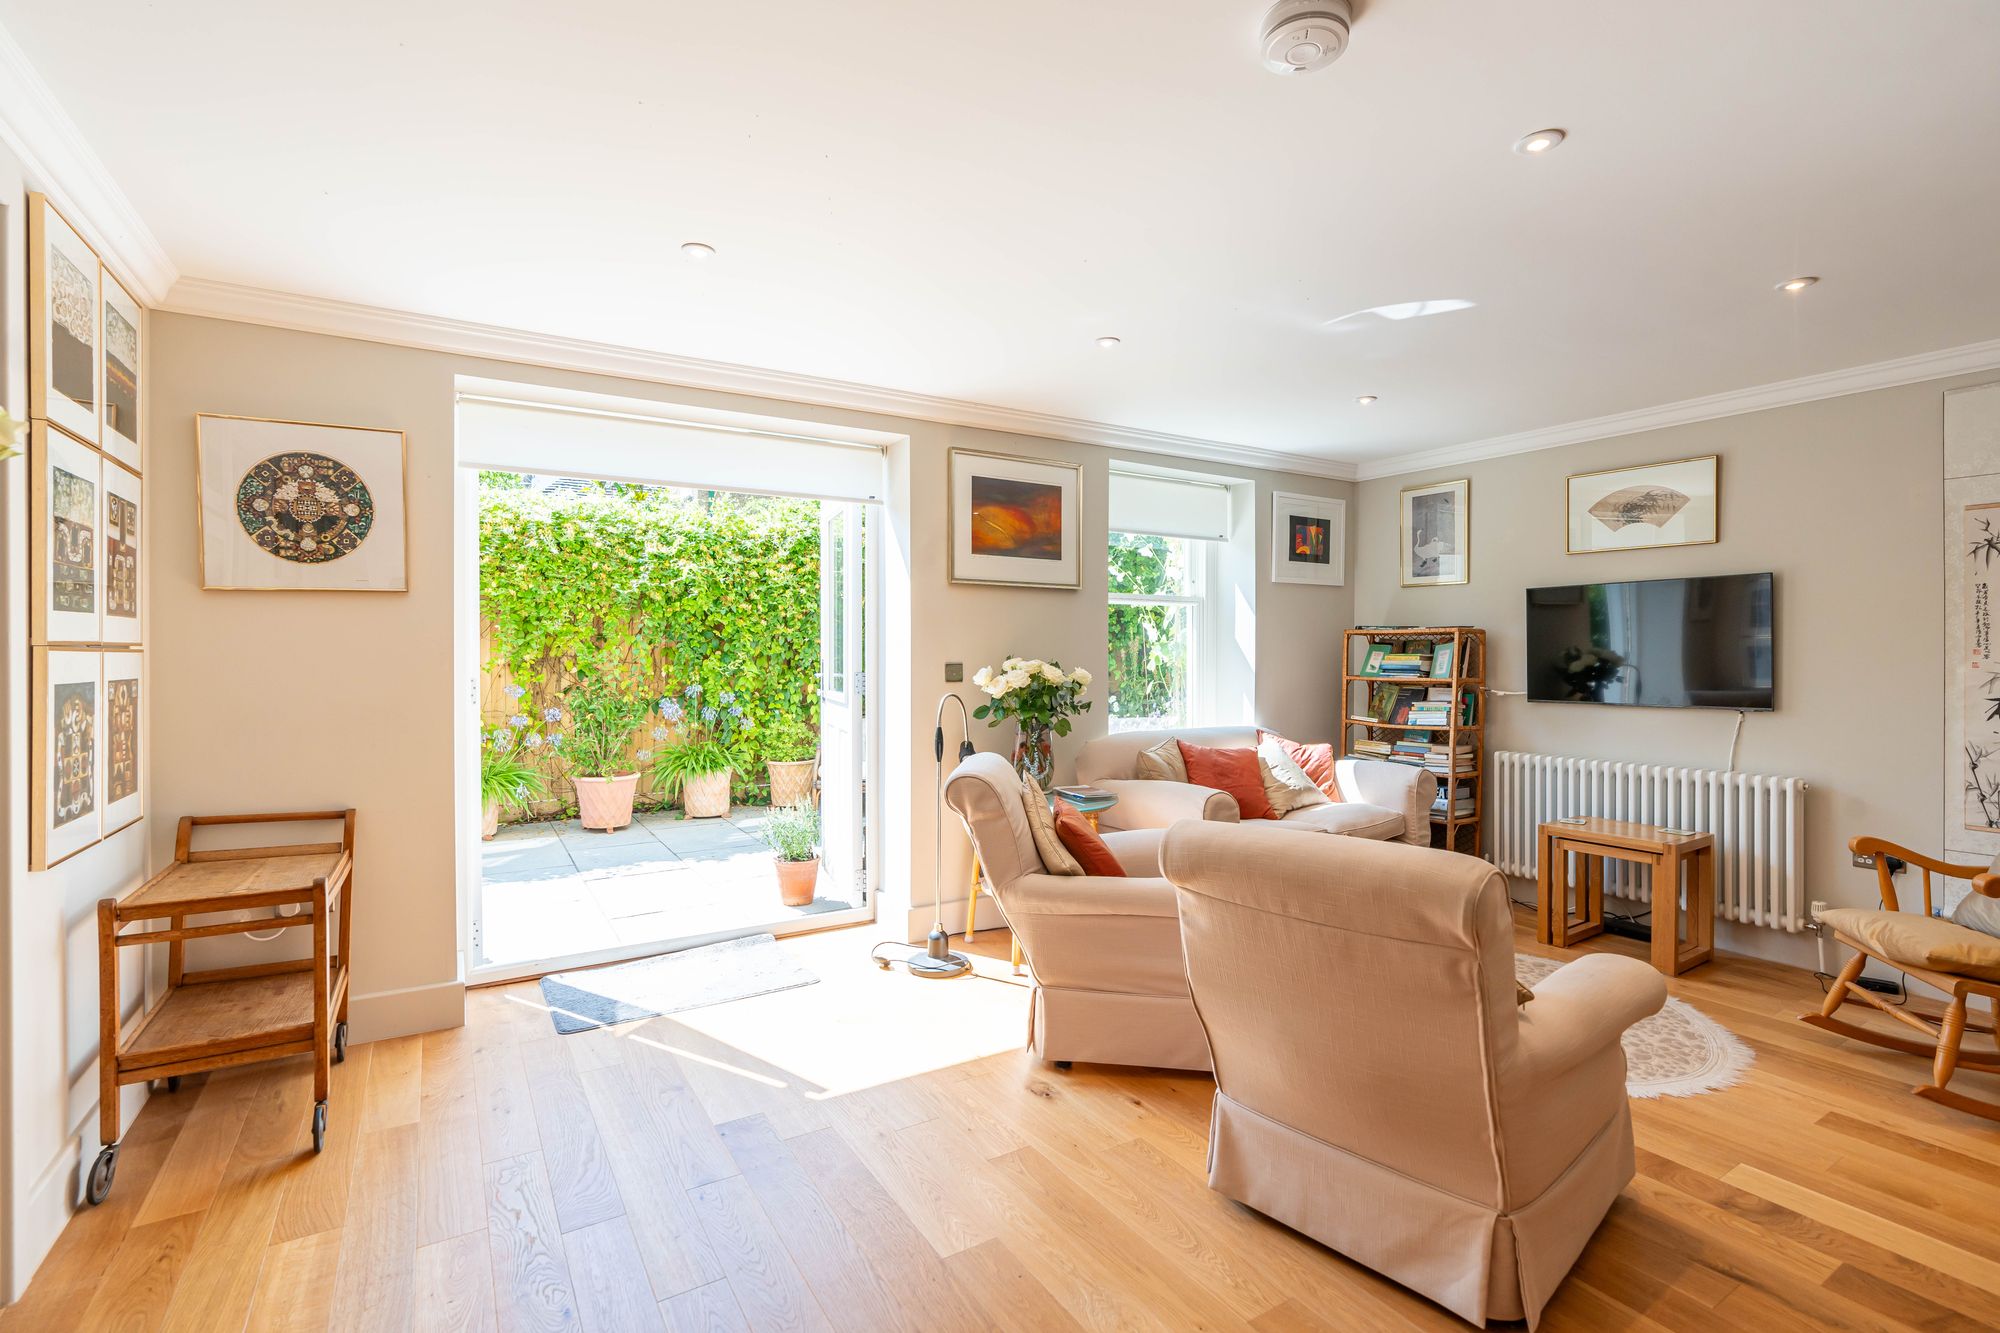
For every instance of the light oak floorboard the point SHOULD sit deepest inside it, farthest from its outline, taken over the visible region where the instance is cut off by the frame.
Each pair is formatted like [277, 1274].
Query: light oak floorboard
[709, 1171]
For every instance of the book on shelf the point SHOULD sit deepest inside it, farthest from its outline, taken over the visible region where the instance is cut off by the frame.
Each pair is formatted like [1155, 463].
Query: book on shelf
[1373, 749]
[1467, 805]
[1442, 658]
[1404, 664]
[1372, 664]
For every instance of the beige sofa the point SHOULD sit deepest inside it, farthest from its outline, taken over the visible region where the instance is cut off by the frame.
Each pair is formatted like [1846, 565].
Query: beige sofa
[1110, 985]
[1377, 1088]
[1379, 800]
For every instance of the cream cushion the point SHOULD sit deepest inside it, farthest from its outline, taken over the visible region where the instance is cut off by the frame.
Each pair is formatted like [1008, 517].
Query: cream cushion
[1162, 763]
[1979, 912]
[1286, 785]
[1352, 818]
[1916, 940]
[1042, 827]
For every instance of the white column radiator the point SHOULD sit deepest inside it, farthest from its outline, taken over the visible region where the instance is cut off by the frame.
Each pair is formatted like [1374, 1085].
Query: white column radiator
[1758, 823]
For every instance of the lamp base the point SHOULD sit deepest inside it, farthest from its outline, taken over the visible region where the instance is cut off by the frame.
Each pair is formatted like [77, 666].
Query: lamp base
[951, 965]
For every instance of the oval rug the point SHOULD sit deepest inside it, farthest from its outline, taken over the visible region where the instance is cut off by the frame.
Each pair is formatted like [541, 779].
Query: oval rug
[1678, 1052]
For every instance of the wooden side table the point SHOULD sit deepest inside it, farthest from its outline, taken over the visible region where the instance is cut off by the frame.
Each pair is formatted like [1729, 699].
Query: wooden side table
[1569, 903]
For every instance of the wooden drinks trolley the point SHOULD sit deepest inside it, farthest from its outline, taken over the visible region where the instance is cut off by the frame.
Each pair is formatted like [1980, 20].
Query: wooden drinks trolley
[1681, 939]
[228, 1016]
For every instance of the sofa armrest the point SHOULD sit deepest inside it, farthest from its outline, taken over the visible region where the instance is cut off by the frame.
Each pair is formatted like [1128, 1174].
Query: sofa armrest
[1583, 1007]
[1404, 788]
[1089, 895]
[1150, 803]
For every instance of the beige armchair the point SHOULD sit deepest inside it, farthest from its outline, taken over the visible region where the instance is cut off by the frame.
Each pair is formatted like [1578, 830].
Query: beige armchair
[1377, 1088]
[1110, 986]
[1379, 800]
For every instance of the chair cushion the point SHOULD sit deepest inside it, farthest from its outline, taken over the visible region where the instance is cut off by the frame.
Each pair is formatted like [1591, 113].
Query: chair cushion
[1979, 912]
[1286, 785]
[1316, 760]
[1356, 819]
[1082, 842]
[1137, 849]
[1234, 771]
[1916, 940]
[1056, 858]
[1162, 763]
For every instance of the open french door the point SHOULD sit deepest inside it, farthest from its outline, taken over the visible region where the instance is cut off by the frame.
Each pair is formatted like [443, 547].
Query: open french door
[843, 722]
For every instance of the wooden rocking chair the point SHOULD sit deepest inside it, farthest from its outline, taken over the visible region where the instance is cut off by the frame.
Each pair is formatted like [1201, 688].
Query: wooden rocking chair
[1943, 1037]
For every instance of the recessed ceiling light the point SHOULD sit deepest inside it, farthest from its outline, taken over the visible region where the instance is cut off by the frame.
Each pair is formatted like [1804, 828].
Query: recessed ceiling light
[1541, 141]
[1797, 284]
[1365, 399]
[698, 252]
[1107, 341]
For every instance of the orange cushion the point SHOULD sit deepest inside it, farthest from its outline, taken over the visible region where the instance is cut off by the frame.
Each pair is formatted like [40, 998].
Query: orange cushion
[1316, 760]
[1233, 771]
[1083, 843]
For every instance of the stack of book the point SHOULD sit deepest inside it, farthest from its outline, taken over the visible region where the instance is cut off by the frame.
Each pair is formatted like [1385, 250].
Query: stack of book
[1430, 713]
[1439, 759]
[1467, 804]
[1411, 751]
[1374, 749]
[1404, 664]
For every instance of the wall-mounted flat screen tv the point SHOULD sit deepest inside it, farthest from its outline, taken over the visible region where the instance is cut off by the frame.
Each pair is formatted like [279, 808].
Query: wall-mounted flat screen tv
[1657, 643]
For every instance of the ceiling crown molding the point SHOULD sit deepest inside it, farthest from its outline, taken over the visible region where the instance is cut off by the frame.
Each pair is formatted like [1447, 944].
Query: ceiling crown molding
[1966, 360]
[63, 166]
[315, 314]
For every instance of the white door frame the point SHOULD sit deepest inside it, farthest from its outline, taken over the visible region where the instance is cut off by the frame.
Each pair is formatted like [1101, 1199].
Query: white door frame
[467, 728]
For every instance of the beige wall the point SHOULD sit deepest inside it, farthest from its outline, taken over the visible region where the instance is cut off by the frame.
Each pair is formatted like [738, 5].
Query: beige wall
[1841, 499]
[269, 700]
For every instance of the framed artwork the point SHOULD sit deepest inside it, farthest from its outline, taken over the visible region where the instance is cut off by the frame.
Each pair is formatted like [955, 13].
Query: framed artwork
[1014, 521]
[1639, 508]
[1436, 533]
[298, 506]
[123, 321]
[66, 555]
[1308, 539]
[119, 554]
[123, 800]
[66, 372]
[68, 744]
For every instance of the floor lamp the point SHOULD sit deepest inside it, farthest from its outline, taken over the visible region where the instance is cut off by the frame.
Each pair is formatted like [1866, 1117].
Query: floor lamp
[937, 961]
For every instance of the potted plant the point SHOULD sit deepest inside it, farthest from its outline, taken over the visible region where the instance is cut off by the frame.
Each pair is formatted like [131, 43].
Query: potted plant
[793, 832]
[505, 778]
[791, 750]
[603, 714]
[1041, 698]
[697, 764]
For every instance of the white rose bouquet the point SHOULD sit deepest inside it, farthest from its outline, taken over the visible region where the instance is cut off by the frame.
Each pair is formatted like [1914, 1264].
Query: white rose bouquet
[1039, 696]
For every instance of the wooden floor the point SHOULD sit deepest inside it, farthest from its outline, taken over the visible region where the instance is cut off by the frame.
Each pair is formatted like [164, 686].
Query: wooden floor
[714, 1171]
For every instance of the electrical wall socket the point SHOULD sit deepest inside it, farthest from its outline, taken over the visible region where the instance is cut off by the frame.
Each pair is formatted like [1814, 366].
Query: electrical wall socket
[1867, 862]
[954, 672]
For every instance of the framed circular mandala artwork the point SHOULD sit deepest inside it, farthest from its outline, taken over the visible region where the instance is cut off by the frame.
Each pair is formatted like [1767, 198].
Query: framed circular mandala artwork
[292, 505]
[306, 508]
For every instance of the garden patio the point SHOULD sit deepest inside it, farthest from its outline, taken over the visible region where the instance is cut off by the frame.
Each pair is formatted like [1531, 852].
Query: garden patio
[557, 889]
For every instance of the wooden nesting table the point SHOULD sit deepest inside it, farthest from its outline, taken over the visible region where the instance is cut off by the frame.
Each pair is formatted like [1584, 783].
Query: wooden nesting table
[1683, 937]
[228, 1016]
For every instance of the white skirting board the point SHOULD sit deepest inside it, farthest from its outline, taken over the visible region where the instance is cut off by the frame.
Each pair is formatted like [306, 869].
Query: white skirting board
[380, 1015]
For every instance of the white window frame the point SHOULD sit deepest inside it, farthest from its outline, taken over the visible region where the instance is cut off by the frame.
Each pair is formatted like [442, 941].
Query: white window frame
[1201, 577]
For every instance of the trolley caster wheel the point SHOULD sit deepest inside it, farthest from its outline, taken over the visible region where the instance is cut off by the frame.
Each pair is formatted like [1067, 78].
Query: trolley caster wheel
[339, 1042]
[102, 1172]
[319, 1126]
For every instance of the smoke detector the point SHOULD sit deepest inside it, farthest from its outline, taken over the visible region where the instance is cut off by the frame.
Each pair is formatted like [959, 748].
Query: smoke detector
[1301, 35]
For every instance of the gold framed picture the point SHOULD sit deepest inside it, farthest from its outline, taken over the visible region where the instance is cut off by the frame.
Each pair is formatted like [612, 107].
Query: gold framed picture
[64, 310]
[65, 543]
[1436, 533]
[1014, 521]
[1641, 508]
[67, 741]
[123, 337]
[123, 798]
[296, 506]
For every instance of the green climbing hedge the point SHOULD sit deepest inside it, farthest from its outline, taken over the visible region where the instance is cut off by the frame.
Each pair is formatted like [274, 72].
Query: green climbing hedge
[658, 592]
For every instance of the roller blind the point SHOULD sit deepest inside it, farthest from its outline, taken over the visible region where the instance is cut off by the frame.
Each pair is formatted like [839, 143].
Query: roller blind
[1169, 506]
[515, 436]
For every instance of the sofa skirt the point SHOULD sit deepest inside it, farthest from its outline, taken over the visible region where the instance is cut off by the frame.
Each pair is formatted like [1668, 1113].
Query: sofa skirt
[1113, 1028]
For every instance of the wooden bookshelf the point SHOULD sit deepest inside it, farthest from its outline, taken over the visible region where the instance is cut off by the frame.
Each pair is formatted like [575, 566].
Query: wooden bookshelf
[1466, 730]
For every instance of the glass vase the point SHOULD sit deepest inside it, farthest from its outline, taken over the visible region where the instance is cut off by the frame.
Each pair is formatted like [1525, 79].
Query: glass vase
[1034, 754]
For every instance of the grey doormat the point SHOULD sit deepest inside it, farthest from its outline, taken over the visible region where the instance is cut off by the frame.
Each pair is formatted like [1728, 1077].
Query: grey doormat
[596, 997]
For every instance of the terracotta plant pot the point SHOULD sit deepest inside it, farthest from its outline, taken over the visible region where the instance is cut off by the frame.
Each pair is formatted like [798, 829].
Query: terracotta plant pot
[606, 803]
[706, 796]
[491, 821]
[796, 881]
[791, 780]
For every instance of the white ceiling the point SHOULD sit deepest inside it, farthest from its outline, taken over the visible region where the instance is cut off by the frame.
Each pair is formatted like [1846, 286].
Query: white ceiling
[955, 200]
